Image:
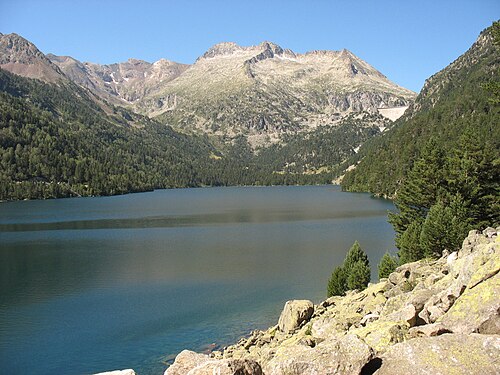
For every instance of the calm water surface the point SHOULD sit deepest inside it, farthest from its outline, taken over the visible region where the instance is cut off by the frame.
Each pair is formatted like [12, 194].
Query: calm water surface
[94, 284]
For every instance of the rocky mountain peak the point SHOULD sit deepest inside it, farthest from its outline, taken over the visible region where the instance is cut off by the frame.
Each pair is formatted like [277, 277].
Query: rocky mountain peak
[15, 49]
[273, 47]
[221, 49]
[22, 57]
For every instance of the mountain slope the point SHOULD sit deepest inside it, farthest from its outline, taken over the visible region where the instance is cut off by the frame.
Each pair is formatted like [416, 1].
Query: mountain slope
[453, 102]
[56, 141]
[121, 83]
[265, 91]
[258, 115]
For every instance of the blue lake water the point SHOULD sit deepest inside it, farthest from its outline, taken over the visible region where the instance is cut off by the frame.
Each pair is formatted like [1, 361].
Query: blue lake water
[96, 284]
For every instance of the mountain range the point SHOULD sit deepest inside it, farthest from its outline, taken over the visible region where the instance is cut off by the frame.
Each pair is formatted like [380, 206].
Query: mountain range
[237, 116]
[261, 92]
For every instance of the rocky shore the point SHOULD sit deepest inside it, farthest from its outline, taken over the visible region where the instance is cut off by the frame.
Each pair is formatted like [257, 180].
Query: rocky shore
[428, 317]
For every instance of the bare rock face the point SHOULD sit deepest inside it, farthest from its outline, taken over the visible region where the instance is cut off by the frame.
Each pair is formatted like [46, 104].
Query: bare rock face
[477, 309]
[443, 355]
[19, 56]
[344, 355]
[294, 314]
[191, 363]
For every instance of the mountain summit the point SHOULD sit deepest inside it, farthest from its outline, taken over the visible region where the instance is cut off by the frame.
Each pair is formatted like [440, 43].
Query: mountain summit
[19, 56]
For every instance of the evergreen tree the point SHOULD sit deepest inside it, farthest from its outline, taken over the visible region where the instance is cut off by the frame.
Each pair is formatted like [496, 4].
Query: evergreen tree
[354, 255]
[444, 228]
[353, 274]
[423, 186]
[387, 265]
[337, 284]
[359, 276]
[473, 172]
[409, 243]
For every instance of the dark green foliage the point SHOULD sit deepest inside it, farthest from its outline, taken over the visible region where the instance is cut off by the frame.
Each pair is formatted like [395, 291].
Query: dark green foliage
[387, 265]
[353, 274]
[445, 227]
[408, 243]
[441, 162]
[337, 284]
[424, 184]
[355, 255]
[359, 276]
[56, 141]
[445, 196]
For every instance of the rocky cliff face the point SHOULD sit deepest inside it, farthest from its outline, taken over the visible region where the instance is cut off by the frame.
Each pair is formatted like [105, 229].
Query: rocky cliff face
[19, 56]
[122, 83]
[428, 317]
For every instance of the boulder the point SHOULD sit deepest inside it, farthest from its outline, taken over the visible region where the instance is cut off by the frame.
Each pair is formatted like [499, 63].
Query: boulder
[444, 355]
[294, 314]
[429, 330]
[381, 334]
[191, 363]
[407, 314]
[228, 367]
[477, 309]
[439, 304]
[368, 318]
[339, 355]
[186, 361]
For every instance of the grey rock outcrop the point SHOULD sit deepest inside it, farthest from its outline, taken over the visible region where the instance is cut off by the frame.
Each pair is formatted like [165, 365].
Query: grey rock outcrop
[294, 314]
[191, 363]
[444, 355]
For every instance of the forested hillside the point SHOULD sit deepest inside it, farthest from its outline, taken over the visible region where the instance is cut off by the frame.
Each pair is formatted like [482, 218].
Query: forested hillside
[56, 141]
[459, 101]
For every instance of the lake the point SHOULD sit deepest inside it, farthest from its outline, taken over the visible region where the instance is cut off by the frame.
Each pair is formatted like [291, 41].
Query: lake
[96, 284]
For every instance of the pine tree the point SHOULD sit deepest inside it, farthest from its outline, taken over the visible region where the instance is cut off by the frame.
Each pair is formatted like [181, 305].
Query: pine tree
[387, 265]
[359, 276]
[424, 185]
[409, 243]
[337, 285]
[354, 255]
[473, 173]
[445, 227]
[353, 274]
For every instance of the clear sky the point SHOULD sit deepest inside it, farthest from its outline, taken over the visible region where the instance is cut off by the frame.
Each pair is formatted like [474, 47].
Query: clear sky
[406, 40]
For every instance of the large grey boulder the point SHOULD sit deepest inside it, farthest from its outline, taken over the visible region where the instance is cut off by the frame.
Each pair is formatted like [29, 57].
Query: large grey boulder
[191, 363]
[294, 314]
[338, 355]
[477, 309]
[444, 355]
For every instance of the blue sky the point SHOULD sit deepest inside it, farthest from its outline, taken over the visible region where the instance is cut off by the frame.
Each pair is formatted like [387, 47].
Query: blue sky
[406, 40]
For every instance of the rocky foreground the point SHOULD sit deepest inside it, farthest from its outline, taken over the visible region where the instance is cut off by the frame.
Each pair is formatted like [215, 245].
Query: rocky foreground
[429, 317]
